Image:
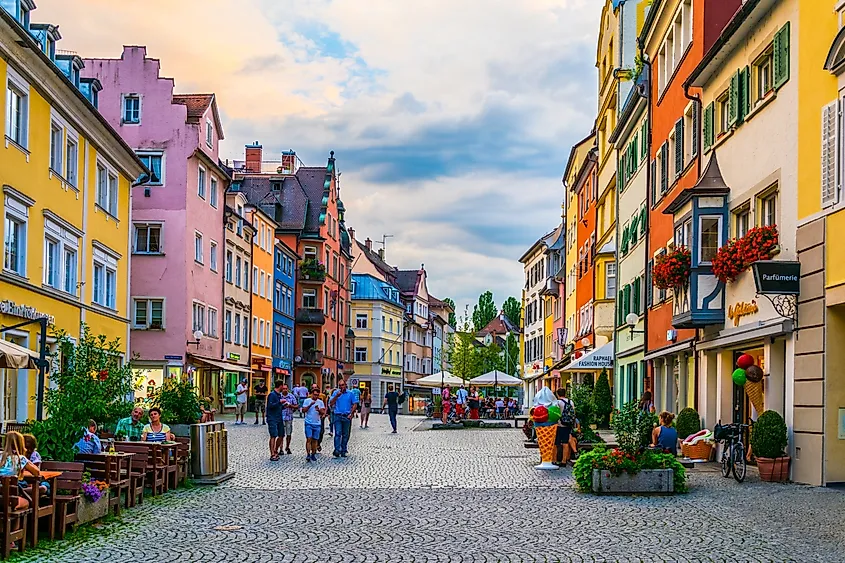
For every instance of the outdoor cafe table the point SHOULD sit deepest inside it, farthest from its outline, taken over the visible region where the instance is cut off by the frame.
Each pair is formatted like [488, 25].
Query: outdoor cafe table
[166, 452]
[34, 483]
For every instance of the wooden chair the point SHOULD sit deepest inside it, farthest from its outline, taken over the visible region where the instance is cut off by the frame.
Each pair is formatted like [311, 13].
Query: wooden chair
[68, 487]
[155, 468]
[12, 519]
[183, 458]
[137, 478]
[46, 509]
[106, 468]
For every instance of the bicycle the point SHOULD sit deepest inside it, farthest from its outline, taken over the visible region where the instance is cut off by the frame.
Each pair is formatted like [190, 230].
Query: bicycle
[733, 452]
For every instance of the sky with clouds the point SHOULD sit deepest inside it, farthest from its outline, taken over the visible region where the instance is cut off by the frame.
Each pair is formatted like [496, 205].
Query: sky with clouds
[451, 119]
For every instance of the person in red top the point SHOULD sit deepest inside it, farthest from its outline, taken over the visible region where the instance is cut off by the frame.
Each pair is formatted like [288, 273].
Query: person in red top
[445, 403]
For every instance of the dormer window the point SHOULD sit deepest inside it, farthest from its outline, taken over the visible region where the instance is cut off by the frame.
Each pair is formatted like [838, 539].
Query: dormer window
[131, 109]
[276, 186]
[209, 133]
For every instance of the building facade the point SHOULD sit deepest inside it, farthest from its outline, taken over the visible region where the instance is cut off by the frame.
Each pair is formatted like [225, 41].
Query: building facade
[284, 308]
[534, 267]
[263, 288]
[418, 325]
[66, 178]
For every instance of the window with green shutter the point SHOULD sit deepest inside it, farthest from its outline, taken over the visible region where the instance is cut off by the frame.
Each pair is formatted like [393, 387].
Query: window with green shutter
[733, 100]
[649, 291]
[679, 147]
[664, 168]
[620, 173]
[620, 309]
[635, 296]
[635, 149]
[653, 182]
[707, 134]
[644, 140]
[781, 56]
[695, 131]
[643, 220]
[744, 93]
[626, 301]
[633, 229]
[623, 247]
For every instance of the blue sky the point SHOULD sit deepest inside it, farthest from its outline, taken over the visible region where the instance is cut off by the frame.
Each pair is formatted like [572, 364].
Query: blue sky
[451, 121]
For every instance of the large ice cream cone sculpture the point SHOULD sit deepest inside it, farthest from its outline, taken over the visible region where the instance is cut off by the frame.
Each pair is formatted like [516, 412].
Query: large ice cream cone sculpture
[546, 441]
[754, 390]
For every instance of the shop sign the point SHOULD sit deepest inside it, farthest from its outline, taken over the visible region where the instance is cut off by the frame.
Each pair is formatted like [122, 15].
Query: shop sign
[234, 357]
[174, 358]
[385, 371]
[8, 307]
[742, 309]
[353, 382]
[281, 371]
[777, 277]
[281, 363]
[258, 361]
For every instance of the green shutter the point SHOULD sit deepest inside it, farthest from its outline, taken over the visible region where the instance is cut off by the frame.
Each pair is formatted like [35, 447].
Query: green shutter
[733, 100]
[623, 248]
[643, 220]
[679, 147]
[626, 301]
[620, 173]
[649, 292]
[708, 126]
[744, 93]
[695, 130]
[620, 313]
[664, 168]
[635, 150]
[644, 140]
[781, 57]
[653, 183]
[635, 301]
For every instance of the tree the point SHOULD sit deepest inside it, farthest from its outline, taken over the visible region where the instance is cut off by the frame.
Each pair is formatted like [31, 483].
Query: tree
[512, 355]
[602, 400]
[489, 358]
[513, 310]
[484, 312]
[453, 319]
[463, 356]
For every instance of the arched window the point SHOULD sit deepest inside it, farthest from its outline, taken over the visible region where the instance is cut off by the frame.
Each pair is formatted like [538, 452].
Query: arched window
[309, 341]
[325, 342]
[333, 346]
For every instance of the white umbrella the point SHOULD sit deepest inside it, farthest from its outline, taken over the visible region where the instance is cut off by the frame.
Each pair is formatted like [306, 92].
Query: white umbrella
[496, 377]
[438, 379]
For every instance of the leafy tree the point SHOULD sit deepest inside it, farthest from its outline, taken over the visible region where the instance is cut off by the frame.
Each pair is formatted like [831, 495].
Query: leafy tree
[178, 401]
[453, 319]
[602, 400]
[489, 358]
[463, 356]
[89, 383]
[512, 355]
[484, 312]
[513, 310]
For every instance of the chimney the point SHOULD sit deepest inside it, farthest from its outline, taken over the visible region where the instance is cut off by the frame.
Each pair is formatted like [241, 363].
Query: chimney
[351, 232]
[369, 244]
[381, 253]
[289, 162]
[253, 157]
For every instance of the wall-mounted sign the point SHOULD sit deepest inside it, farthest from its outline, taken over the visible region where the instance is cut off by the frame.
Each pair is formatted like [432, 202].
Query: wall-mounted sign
[776, 277]
[174, 358]
[258, 361]
[353, 382]
[234, 357]
[742, 309]
[8, 307]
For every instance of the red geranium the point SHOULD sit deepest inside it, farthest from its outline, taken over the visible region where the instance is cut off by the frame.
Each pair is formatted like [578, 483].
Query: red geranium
[672, 270]
[737, 255]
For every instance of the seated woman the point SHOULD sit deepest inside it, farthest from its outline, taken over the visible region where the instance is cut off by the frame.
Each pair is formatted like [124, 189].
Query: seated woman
[207, 411]
[156, 430]
[90, 442]
[664, 436]
[13, 462]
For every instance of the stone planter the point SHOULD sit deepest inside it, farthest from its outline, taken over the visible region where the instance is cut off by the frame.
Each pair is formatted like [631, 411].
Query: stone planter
[471, 423]
[647, 481]
[90, 511]
[774, 470]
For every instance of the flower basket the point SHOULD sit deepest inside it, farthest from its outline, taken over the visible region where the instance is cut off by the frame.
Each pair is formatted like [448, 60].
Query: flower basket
[701, 450]
[774, 470]
[89, 511]
[759, 243]
[672, 270]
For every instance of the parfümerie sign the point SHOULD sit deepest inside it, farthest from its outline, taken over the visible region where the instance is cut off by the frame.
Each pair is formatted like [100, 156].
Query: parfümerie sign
[776, 277]
[8, 307]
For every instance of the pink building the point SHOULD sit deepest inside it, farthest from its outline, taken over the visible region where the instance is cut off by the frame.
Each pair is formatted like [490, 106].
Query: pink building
[177, 257]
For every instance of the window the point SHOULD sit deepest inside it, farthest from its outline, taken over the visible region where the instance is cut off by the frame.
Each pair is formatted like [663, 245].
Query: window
[227, 327]
[240, 214]
[309, 298]
[310, 253]
[683, 235]
[383, 323]
[147, 238]
[131, 108]
[107, 190]
[277, 296]
[212, 322]
[255, 280]
[361, 320]
[17, 109]
[153, 161]
[104, 286]
[212, 254]
[198, 247]
[722, 103]
[209, 133]
[610, 280]
[309, 341]
[57, 147]
[148, 313]
[238, 328]
[762, 75]
[390, 324]
[69, 264]
[60, 254]
[255, 333]
[360, 354]
[269, 284]
[768, 205]
[201, 182]
[72, 164]
[246, 275]
[245, 335]
[237, 271]
[14, 236]
[710, 229]
[213, 194]
[742, 221]
[51, 262]
[229, 266]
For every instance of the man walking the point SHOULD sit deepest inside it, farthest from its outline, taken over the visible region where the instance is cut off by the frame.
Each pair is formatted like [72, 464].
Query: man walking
[391, 401]
[274, 420]
[289, 404]
[301, 393]
[240, 401]
[314, 408]
[461, 401]
[260, 391]
[343, 405]
[564, 427]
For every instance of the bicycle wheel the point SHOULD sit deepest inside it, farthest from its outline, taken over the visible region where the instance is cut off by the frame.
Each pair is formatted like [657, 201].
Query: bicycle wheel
[726, 460]
[740, 467]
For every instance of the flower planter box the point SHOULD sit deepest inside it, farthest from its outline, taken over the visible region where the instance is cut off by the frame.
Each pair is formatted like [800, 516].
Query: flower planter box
[90, 511]
[774, 470]
[647, 481]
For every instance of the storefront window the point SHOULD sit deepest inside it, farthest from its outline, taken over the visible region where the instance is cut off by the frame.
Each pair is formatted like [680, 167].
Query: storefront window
[147, 380]
[230, 385]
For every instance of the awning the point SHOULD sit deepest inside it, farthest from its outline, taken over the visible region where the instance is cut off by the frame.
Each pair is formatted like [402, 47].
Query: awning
[669, 350]
[496, 377]
[17, 357]
[748, 333]
[438, 379]
[597, 360]
[225, 366]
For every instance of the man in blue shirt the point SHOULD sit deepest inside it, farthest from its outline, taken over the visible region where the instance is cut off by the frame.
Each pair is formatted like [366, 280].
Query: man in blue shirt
[343, 404]
[274, 420]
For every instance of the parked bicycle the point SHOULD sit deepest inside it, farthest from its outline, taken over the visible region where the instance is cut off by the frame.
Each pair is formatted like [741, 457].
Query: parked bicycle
[733, 450]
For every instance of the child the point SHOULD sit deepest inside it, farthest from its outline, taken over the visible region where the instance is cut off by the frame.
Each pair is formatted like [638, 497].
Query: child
[90, 442]
[13, 462]
[207, 411]
[31, 447]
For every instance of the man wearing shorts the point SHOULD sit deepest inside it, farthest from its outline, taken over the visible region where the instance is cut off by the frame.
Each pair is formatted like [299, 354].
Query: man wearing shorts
[315, 409]
[240, 401]
[564, 426]
[301, 393]
[289, 404]
[260, 391]
[274, 420]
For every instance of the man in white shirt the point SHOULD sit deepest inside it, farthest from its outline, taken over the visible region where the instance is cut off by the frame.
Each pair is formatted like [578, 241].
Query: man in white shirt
[240, 401]
[301, 393]
[461, 401]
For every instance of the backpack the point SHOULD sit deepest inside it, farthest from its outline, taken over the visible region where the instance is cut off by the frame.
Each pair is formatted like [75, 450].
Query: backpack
[401, 398]
[567, 414]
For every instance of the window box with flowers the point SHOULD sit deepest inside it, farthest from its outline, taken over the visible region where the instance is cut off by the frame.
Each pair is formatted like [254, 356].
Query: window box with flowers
[735, 257]
[311, 269]
[672, 270]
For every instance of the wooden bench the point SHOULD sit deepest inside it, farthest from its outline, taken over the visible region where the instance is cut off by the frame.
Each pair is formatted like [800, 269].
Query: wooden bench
[43, 506]
[12, 519]
[518, 418]
[183, 458]
[113, 470]
[68, 487]
[156, 469]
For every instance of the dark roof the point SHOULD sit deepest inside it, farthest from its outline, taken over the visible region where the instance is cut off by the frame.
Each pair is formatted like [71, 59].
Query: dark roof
[311, 179]
[407, 280]
[499, 325]
[197, 104]
[385, 268]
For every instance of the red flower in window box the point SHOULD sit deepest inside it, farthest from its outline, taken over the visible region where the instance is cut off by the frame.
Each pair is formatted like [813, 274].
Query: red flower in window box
[759, 243]
[672, 270]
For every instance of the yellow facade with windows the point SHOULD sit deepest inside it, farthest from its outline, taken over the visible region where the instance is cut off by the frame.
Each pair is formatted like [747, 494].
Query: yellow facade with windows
[263, 246]
[65, 177]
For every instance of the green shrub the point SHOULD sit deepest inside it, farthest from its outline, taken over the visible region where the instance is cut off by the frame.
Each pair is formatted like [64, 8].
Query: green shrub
[632, 427]
[687, 423]
[582, 398]
[178, 401]
[602, 401]
[768, 435]
[617, 462]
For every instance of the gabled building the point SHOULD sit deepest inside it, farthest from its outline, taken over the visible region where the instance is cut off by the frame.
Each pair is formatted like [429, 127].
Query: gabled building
[284, 308]
[264, 254]
[534, 267]
[443, 338]
[418, 330]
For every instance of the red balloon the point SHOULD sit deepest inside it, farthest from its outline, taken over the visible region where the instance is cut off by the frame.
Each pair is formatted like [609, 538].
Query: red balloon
[745, 361]
[541, 413]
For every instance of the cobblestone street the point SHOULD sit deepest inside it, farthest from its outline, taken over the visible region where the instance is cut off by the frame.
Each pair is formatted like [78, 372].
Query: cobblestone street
[453, 496]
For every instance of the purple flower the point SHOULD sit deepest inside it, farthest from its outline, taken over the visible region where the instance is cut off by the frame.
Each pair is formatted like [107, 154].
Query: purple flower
[91, 492]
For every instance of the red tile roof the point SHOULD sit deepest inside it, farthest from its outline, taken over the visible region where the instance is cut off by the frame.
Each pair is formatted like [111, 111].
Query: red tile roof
[197, 104]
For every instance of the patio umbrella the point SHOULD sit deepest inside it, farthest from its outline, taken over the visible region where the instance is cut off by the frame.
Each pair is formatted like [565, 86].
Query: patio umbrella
[13, 356]
[438, 379]
[496, 377]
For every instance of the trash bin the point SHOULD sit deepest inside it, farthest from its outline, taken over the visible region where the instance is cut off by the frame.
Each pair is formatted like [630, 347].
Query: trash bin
[202, 443]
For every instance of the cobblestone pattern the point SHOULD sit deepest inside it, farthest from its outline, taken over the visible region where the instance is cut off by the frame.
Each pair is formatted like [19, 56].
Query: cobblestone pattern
[455, 496]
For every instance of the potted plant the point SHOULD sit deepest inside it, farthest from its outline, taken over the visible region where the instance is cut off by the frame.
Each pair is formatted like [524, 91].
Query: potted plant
[94, 502]
[311, 268]
[732, 259]
[768, 444]
[688, 425]
[672, 270]
[602, 401]
[179, 404]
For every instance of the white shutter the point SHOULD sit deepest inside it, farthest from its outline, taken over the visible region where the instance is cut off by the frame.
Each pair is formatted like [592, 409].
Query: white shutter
[830, 161]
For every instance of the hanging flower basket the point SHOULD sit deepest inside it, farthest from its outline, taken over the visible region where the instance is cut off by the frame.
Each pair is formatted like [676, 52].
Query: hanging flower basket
[729, 261]
[672, 270]
[759, 243]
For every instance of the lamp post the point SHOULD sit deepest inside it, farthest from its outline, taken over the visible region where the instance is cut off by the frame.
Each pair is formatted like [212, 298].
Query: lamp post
[631, 320]
[196, 341]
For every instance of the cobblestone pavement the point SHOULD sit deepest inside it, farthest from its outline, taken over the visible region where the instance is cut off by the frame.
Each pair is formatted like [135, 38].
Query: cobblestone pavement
[453, 496]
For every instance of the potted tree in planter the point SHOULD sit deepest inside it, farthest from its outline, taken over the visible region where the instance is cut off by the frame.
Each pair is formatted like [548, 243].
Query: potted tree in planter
[602, 401]
[179, 404]
[768, 444]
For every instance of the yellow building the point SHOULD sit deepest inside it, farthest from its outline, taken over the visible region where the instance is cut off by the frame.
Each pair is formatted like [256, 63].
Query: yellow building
[261, 348]
[66, 178]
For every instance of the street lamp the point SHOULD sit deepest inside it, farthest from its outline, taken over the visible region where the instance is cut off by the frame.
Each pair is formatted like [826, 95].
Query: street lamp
[197, 337]
[631, 319]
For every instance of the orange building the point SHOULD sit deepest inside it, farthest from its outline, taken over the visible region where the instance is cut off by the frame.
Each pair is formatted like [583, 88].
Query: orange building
[586, 188]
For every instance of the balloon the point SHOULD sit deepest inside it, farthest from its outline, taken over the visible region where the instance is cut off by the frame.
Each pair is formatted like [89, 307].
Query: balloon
[554, 413]
[541, 413]
[745, 361]
[754, 374]
[739, 376]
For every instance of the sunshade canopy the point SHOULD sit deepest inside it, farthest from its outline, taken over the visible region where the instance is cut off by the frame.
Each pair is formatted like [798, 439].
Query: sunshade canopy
[13, 356]
[438, 379]
[496, 377]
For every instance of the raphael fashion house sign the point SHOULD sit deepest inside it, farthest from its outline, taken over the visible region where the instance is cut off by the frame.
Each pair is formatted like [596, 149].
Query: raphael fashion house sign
[775, 277]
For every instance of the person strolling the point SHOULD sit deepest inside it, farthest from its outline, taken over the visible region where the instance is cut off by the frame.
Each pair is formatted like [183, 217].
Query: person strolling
[391, 402]
[301, 393]
[241, 396]
[260, 402]
[314, 408]
[564, 427]
[275, 425]
[290, 403]
[343, 404]
[461, 397]
[445, 403]
[664, 436]
[366, 407]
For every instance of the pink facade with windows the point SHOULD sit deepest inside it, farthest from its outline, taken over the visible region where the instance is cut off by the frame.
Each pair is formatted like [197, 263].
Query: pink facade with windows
[178, 241]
